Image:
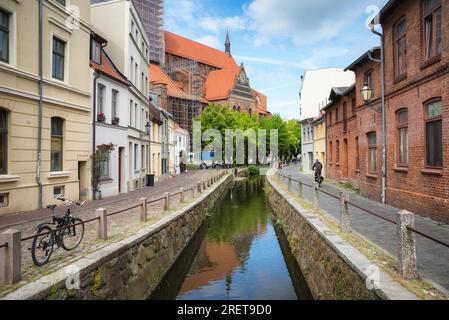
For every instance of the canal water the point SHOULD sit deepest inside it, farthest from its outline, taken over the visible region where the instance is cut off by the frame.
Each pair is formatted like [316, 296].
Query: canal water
[238, 254]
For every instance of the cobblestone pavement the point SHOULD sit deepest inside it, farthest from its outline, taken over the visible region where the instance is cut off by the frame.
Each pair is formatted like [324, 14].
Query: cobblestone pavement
[119, 226]
[433, 258]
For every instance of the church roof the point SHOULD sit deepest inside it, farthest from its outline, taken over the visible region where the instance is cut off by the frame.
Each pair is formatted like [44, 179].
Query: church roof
[183, 47]
[220, 83]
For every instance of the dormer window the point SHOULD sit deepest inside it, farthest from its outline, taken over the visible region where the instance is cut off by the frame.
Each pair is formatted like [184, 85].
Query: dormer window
[95, 52]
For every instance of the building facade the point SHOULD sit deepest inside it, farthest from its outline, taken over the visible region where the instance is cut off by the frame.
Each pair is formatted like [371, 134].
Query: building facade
[319, 141]
[307, 141]
[343, 161]
[181, 147]
[129, 49]
[45, 135]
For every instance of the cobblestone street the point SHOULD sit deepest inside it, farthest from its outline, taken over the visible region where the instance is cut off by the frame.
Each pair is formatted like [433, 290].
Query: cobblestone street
[119, 226]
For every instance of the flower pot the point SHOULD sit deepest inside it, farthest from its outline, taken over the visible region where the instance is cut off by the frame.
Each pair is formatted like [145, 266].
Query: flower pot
[97, 195]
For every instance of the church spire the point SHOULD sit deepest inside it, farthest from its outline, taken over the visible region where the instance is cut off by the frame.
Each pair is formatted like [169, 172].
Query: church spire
[228, 44]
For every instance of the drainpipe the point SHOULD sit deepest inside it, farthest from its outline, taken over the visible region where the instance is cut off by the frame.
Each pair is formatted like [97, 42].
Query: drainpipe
[41, 87]
[384, 120]
[94, 131]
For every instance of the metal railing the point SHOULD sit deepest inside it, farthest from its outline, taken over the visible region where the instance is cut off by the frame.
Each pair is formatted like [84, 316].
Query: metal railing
[405, 223]
[13, 237]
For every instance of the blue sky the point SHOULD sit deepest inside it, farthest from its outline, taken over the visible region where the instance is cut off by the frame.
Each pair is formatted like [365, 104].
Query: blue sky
[277, 40]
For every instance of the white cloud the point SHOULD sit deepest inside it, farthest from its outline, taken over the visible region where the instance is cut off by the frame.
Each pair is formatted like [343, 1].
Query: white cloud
[217, 24]
[211, 41]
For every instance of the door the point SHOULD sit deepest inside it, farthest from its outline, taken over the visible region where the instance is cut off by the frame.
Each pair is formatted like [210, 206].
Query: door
[83, 178]
[345, 160]
[120, 169]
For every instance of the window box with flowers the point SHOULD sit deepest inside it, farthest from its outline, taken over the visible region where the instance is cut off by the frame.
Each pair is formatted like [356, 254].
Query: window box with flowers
[101, 117]
[115, 120]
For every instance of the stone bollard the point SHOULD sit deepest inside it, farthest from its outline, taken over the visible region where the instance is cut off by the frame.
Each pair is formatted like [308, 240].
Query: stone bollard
[407, 262]
[182, 200]
[143, 209]
[166, 201]
[289, 183]
[193, 193]
[204, 186]
[200, 189]
[102, 224]
[300, 193]
[345, 224]
[10, 257]
[316, 196]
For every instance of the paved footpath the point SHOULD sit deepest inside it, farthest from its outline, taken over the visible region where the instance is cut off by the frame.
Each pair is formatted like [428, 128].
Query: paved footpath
[433, 258]
[119, 226]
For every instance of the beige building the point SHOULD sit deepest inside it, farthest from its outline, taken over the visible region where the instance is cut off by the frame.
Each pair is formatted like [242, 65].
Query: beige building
[44, 137]
[155, 142]
[319, 141]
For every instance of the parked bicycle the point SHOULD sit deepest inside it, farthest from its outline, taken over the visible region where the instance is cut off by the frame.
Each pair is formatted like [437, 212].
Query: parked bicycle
[68, 233]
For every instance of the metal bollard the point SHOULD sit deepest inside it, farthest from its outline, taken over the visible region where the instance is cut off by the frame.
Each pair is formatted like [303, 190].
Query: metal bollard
[182, 196]
[102, 224]
[407, 261]
[143, 209]
[166, 201]
[345, 224]
[316, 197]
[10, 257]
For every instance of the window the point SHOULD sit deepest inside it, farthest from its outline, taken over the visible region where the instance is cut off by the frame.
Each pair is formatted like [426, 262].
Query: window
[330, 152]
[58, 59]
[353, 107]
[345, 117]
[357, 154]
[336, 115]
[95, 52]
[61, 2]
[337, 152]
[432, 28]
[114, 102]
[131, 103]
[58, 190]
[135, 156]
[372, 149]
[104, 169]
[131, 69]
[4, 199]
[56, 144]
[3, 142]
[4, 36]
[143, 82]
[402, 125]
[136, 116]
[142, 165]
[400, 48]
[136, 71]
[100, 102]
[434, 134]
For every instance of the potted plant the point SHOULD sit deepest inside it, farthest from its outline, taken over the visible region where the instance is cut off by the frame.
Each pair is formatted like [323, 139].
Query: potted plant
[101, 117]
[115, 120]
[100, 156]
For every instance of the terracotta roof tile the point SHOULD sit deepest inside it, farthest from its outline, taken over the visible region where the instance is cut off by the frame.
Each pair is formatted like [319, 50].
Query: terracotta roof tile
[107, 67]
[220, 83]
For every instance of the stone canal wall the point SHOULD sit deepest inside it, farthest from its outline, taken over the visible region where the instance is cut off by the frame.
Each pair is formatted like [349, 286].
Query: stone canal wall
[134, 267]
[333, 269]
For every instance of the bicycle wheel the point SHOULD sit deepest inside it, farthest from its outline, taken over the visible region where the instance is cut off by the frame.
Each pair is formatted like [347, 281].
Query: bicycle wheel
[73, 234]
[42, 246]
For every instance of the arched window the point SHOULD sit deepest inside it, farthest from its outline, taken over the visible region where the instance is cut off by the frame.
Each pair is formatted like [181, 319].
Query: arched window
[402, 125]
[434, 134]
[56, 144]
[3, 142]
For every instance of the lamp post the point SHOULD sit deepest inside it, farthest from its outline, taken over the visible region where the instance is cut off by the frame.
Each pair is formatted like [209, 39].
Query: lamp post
[148, 128]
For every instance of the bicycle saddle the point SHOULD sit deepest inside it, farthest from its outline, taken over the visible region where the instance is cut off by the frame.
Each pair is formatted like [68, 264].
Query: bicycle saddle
[52, 207]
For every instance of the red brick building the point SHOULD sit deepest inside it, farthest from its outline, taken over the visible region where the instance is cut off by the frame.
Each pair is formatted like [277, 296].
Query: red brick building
[417, 111]
[342, 135]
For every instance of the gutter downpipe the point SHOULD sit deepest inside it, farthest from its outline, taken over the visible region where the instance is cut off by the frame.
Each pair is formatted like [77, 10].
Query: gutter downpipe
[94, 131]
[41, 90]
[384, 121]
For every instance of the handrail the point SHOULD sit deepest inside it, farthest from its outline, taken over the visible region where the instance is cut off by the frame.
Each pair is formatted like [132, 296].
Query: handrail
[421, 233]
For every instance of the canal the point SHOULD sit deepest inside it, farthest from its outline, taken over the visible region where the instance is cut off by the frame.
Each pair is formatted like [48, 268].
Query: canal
[238, 254]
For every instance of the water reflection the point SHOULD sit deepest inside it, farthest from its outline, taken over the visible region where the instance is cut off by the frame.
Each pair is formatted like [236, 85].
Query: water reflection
[236, 255]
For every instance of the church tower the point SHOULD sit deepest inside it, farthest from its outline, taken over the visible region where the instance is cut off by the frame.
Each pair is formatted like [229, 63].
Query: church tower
[228, 44]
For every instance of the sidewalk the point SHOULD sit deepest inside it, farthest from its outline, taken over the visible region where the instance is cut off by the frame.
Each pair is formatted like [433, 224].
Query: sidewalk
[433, 258]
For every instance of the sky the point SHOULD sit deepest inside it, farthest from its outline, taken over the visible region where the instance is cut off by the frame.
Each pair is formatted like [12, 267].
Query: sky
[278, 40]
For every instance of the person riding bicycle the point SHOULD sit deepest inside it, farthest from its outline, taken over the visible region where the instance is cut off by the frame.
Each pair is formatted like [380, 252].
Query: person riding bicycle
[318, 168]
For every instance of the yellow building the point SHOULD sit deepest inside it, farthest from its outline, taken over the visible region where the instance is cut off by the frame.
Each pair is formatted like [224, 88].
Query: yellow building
[44, 134]
[319, 141]
[155, 142]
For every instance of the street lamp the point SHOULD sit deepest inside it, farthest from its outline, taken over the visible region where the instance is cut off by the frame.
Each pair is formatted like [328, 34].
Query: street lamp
[367, 93]
[148, 128]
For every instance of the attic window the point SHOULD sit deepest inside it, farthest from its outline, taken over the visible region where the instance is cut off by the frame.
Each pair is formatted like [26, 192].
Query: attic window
[95, 52]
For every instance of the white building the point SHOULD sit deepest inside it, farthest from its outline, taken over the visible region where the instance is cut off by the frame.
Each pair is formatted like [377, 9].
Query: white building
[307, 141]
[129, 49]
[181, 144]
[315, 88]
[111, 118]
